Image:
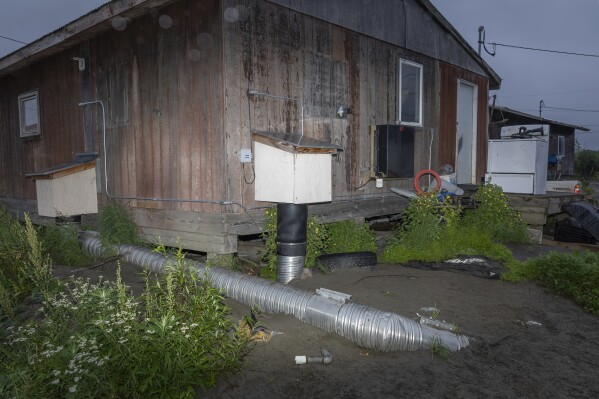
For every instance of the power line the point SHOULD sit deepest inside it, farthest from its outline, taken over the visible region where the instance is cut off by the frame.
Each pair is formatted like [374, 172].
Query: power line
[482, 44]
[571, 109]
[549, 94]
[545, 50]
[13, 40]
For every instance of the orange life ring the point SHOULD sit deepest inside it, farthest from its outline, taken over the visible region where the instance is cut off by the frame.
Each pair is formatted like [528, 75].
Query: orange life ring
[423, 172]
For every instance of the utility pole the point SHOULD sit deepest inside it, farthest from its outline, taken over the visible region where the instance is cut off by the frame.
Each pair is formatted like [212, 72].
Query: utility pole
[481, 40]
[541, 105]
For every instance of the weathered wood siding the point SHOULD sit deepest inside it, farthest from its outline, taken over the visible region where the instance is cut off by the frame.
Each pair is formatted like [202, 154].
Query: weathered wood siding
[175, 84]
[407, 24]
[448, 122]
[58, 82]
[279, 51]
[161, 82]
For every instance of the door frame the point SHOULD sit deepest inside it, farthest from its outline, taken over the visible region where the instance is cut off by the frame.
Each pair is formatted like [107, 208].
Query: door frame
[474, 127]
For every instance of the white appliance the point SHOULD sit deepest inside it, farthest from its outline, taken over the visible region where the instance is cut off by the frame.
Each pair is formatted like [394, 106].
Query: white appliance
[519, 165]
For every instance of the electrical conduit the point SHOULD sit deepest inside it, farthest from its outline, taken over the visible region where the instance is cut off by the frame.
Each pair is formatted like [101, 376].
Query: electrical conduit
[365, 326]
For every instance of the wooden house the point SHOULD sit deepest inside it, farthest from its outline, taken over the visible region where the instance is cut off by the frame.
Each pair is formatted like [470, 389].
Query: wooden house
[172, 90]
[561, 136]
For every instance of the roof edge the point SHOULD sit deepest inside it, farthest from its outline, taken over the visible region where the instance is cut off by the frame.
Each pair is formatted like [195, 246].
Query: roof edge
[539, 118]
[494, 78]
[72, 33]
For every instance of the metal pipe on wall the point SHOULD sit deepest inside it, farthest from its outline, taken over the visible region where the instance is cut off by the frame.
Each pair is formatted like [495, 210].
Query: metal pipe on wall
[197, 201]
[366, 326]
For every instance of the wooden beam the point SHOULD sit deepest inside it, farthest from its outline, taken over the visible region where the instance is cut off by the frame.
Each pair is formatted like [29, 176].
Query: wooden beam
[219, 244]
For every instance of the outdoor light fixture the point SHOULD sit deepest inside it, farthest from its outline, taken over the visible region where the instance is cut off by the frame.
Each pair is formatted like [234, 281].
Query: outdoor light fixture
[342, 111]
[81, 62]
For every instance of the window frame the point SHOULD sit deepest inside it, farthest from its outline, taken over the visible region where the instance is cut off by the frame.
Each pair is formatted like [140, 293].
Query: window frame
[24, 132]
[419, 115]
[561, 154]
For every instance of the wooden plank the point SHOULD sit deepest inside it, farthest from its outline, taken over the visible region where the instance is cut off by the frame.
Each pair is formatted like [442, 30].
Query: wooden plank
[65, 172]
[533, 215]
[327, 213]
[287, 147]
[183, 221]
[198, 242]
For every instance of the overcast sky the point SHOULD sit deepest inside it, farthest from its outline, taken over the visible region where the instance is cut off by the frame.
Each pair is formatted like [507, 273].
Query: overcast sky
[561, 81]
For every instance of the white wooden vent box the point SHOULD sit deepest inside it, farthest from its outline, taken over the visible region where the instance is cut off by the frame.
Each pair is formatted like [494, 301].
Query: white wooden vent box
[292, 169]
[68, 189]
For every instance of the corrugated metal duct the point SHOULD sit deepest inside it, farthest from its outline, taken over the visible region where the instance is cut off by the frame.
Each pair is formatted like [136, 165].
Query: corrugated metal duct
[366, 326]
[292, 236]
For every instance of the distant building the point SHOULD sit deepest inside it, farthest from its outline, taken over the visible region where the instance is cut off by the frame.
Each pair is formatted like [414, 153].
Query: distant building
[561, 136]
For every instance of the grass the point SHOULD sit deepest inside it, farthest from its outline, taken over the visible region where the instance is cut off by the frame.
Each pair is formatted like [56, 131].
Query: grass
[573, 275]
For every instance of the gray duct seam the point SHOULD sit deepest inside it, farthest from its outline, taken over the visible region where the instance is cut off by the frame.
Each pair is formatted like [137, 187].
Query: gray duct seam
[365, 326]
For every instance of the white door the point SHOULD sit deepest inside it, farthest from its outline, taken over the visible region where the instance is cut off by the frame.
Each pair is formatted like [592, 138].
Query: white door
[466, 133]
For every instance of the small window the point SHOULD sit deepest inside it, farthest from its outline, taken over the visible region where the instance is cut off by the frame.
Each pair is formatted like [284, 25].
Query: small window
[561, 146]
[29, 114]
[410, 93]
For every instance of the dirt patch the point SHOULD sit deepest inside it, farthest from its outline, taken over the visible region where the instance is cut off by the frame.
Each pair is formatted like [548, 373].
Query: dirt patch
[509, 357]
[526, 342]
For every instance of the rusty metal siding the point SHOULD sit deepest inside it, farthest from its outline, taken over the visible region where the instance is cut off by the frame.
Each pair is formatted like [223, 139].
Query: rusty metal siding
[448, 119]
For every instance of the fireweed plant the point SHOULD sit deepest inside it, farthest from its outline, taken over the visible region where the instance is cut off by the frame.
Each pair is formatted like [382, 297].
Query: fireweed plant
[98, 340]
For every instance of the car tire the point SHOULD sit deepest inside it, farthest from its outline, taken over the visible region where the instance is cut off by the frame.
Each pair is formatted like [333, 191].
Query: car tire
[347, 260]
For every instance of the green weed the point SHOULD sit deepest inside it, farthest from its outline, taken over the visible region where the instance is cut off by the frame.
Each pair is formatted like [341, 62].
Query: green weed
[24, 266]
[574, 275]
[229, 261]
[116, 227]
[440, 350]
[433, 231]
[494, 216]
[315, 243]
[349, 236]
[61, 243]
[97, 340]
